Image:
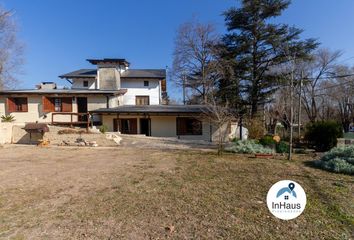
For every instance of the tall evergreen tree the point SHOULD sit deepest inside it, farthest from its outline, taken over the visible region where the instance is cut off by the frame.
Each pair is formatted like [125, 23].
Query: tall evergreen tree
[257, 47]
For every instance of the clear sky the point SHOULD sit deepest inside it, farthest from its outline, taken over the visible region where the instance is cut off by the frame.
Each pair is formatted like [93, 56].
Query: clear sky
[60, 34]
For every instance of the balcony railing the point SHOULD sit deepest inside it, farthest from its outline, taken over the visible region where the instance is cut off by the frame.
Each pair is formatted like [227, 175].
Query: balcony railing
[75, 119]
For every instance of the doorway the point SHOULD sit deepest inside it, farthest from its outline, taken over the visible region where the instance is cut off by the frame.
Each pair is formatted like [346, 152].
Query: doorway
[125, 125]
[145, 126]
[82, 108]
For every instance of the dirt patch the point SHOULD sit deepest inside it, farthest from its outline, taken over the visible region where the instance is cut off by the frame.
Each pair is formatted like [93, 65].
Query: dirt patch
[128, 193]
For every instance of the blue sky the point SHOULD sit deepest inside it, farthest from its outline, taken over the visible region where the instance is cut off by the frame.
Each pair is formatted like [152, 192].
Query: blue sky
[60, 34]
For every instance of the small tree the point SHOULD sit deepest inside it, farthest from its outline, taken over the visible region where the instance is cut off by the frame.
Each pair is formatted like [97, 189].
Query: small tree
[220, 118]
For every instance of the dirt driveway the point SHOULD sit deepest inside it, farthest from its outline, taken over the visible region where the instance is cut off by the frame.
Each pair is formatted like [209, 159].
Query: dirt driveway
[129, 193]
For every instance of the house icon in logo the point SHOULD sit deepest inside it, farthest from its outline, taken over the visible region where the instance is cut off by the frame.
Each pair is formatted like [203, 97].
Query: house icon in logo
[287, 191]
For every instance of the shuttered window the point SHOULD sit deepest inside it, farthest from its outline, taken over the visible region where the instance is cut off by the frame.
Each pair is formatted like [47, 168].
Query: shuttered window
[17, 104]
[142, 100]
[63, 104]
[163, 85]
[189, 126]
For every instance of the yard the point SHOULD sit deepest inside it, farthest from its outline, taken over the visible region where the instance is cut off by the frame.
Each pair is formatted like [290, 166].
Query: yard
[125, 193]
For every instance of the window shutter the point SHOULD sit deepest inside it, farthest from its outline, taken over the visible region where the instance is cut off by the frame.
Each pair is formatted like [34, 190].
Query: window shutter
[133, 126]
[181, 126]
[66, 104]
[11, 106]
[48, 105]
[163, 85]
[24, 105]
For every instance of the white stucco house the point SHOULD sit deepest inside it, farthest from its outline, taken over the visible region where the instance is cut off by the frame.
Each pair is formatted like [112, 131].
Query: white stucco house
[130, 101]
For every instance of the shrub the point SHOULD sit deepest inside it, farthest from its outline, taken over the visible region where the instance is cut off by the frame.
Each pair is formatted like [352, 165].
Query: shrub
[267, 141]
[248, 146]
[7, 118]
[282, 147]
[103, 128]
[255, 128]
[340, 160]
[323, 135]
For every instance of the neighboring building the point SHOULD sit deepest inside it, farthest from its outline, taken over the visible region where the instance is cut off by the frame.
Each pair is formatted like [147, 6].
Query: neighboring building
[131, 101]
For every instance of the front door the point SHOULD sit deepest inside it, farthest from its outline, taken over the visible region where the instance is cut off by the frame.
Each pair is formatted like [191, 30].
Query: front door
[145, 126]
[126, 125]
[82, 108]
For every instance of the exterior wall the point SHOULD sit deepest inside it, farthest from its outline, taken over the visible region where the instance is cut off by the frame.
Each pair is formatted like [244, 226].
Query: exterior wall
[108, 78]
[136, 87]
[164, 126]
[35, 110]
[78, 83]
[6, 132]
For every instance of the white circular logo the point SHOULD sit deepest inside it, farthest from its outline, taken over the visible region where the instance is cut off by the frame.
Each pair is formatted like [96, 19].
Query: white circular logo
[286, 199]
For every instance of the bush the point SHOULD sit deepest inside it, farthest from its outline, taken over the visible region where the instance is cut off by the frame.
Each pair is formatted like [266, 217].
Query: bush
[267, 141]
[282, 147]
[323, 135]
[248, 146]
[7, 118]
[340, 160]
[255, 128]
[103, 129]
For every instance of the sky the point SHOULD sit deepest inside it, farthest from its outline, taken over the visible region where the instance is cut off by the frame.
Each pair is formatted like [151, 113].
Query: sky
[59, 35]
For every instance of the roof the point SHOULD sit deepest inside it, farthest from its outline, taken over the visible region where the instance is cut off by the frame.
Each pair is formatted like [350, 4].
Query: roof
[144, 73]
[130, 73]
[64, 91]
[121, 61]
[157, 109]
[81, 73]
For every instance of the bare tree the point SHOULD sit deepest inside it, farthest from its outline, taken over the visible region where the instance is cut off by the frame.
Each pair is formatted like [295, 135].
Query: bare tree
[339, 93]
[193, 60]
[317, 71]
[220, 117]
[10, 50]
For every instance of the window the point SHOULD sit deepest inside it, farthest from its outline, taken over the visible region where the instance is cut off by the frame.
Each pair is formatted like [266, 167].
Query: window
[61, 104]
[85, 83]
[142, 100]
[189, 126]
[17, 104]
[57, 105]
[146, 83]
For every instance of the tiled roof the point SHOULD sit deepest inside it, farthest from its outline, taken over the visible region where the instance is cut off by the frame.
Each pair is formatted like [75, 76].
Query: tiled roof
[130, 73]
[81, 73]
[64, 91]
[172, 109]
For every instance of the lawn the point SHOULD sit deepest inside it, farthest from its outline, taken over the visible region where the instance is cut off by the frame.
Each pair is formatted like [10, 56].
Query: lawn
[127, 193]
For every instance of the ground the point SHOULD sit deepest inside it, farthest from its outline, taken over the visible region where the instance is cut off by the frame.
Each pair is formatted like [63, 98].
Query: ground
[130, 193]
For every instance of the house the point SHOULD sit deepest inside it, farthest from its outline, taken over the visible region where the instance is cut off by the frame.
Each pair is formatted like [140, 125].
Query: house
[131, 101]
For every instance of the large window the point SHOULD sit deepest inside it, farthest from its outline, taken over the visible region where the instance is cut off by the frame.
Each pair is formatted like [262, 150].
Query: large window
[189, 126]
[17, 104]
[142, 100]
[57, 104]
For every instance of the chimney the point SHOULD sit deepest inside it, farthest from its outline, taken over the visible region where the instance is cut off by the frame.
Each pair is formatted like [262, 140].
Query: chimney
[47, 85]
[108, 72]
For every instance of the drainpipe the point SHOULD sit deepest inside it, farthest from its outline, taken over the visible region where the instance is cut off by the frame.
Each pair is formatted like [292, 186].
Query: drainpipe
[107, 101]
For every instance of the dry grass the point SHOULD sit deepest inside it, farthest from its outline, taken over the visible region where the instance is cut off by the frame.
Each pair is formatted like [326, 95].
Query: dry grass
[68, 193]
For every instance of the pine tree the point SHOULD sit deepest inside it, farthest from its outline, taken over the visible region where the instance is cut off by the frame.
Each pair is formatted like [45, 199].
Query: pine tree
[257, 47]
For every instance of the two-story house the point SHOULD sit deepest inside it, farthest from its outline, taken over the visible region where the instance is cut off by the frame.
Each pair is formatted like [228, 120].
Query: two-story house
[131, 101]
